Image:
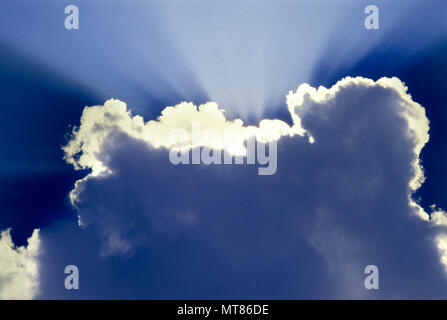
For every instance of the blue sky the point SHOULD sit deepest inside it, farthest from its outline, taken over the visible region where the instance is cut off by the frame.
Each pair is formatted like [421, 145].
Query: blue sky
[332, 207]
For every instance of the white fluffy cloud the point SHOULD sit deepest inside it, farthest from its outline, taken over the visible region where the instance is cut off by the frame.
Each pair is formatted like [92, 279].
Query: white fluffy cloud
[19, 267]
[348, 165]
[98, 123]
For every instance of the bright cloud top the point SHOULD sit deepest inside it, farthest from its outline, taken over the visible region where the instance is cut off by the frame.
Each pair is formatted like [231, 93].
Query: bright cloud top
[98, 123]
[19, 267]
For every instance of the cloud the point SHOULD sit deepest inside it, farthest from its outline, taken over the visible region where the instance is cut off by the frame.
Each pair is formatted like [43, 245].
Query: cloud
[341, 199]
[412, 112]
[19, 267]
[99, 123]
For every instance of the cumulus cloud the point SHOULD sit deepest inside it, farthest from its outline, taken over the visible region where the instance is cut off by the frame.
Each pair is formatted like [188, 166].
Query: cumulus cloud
[348, 164]
[19, 267]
